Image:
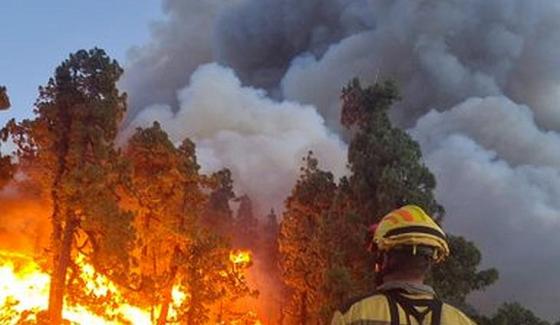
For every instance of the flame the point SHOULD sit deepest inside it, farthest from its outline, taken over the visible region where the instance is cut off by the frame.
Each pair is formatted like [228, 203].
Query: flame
[240, 257]
[25, 287]
[24, 291]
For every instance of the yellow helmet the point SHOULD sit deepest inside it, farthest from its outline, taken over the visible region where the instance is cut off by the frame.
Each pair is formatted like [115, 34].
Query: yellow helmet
[410, 226]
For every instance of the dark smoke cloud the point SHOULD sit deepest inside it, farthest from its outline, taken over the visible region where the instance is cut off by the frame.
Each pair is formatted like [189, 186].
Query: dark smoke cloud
[481, 87]
[273, 32]
[179, 45]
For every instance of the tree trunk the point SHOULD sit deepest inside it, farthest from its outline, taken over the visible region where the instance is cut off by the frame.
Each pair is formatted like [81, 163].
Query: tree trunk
[167, 299]
[58, 277]
[303, 311]
[162, 320]
[191, 313]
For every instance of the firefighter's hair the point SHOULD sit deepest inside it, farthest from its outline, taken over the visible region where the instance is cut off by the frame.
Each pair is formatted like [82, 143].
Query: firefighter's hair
[408, 263]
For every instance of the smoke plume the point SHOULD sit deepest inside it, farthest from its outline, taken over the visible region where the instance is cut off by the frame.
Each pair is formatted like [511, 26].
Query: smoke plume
[260, 140]
[480, 81]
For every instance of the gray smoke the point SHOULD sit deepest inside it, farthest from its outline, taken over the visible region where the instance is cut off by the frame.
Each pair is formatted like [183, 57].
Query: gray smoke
[499, 178]
[179, 45]
[480, 81]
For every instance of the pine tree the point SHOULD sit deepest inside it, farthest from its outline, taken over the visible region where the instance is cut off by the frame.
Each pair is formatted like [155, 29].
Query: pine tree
[302, 258]
[246, 224]
[218, 215]
[324, 238]
[161, 223]
[513, 314]
[270, 232]
[386, 164]
[70, 143]
[458, 276]
[174, 249]
[388, 172]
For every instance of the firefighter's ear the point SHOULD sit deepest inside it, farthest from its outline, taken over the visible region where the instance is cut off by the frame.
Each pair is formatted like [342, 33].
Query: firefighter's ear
[372, 247]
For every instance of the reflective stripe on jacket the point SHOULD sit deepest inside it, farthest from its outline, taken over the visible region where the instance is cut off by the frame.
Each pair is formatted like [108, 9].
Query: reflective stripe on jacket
[375, 310]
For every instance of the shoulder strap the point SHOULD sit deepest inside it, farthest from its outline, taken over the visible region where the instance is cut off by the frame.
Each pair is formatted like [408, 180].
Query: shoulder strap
[395, 299]
[393, 309]
[436, 311]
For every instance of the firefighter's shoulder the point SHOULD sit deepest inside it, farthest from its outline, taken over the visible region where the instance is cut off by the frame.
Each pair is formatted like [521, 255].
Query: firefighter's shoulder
[452, 315]
[362, 308]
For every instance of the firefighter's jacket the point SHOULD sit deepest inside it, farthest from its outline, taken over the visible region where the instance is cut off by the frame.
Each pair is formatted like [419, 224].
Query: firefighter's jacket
[400, 303]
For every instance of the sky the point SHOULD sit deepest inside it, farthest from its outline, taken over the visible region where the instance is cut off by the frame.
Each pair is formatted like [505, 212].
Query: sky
[35, 36]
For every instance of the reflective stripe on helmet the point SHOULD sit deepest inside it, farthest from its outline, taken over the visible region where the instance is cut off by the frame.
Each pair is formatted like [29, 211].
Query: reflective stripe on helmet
[415, 229]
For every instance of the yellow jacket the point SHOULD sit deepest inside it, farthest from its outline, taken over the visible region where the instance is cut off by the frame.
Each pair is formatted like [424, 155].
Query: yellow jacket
[377, 309]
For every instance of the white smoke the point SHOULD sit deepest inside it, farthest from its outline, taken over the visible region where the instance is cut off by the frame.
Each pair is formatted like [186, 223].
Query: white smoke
[480, 79]
[260, 140]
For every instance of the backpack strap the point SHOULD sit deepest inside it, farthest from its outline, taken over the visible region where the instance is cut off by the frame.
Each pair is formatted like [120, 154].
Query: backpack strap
[395, 298]
[436, 312]
[393, 309]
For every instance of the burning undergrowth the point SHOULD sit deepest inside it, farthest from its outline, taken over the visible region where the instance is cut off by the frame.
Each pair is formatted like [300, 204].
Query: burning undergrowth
[135, 235]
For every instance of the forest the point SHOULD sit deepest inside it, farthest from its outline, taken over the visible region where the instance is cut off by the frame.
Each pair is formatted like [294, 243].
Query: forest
[137, 233]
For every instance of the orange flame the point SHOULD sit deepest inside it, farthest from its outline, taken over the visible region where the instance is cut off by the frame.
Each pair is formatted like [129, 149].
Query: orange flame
[25, 287]
[240, 257]
[24, 291]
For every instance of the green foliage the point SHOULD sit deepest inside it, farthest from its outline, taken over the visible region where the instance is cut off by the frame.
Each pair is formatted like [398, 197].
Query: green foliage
[456, 277]
[388, 172]
[386, 164]
[513, 314]
[322, 239]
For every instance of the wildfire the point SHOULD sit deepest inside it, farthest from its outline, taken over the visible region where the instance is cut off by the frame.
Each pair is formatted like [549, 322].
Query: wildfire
[240, 257]
[24, 291]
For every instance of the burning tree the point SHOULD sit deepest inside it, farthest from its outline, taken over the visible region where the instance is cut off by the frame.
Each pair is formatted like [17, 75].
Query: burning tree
[70, 144]
[174, 251]
[158, 187]
[302, 257]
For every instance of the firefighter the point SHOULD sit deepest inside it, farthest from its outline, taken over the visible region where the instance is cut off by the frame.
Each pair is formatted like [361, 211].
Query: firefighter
[406, 242]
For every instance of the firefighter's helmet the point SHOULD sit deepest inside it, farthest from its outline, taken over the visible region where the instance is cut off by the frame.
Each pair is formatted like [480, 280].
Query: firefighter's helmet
[410, 226]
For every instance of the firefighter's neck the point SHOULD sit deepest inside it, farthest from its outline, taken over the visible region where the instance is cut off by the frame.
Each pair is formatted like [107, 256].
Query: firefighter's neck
[400, 277]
